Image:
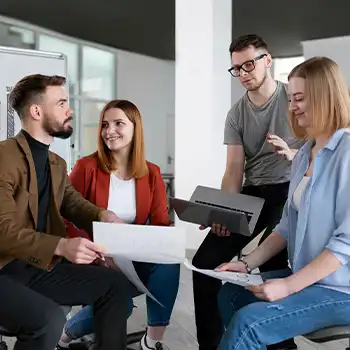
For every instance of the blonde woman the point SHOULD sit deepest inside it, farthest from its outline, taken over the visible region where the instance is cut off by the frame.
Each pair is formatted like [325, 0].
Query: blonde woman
[315, 226]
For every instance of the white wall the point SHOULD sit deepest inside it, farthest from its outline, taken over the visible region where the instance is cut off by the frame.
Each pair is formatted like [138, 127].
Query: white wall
[283, 66]
[150, 84]
[336, 48]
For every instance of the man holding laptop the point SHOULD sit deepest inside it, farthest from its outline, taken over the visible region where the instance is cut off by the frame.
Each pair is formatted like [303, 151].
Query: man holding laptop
[253, 150]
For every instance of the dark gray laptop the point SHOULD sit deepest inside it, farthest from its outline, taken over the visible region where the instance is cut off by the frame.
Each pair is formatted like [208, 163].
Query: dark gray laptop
[238, 212]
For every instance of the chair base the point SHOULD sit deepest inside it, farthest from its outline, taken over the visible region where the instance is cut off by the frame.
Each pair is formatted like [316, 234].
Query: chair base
[134, 338]
[329, 334]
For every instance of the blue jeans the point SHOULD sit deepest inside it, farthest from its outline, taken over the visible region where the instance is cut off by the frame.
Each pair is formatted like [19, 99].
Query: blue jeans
[162, 280]
[252, 324]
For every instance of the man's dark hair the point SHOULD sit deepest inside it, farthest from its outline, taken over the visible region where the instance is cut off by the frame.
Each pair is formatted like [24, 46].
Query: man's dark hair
[30, 88]
[244, 41]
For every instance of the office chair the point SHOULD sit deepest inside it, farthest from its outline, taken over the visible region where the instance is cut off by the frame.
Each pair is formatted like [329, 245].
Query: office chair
[329, 334]
[7, 333]
[4, 333]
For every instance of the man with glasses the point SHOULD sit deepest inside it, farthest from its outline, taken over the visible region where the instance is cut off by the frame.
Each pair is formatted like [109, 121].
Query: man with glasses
[260, 146]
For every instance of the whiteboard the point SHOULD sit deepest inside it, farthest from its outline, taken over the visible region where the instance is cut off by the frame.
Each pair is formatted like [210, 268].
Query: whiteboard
[14, 65]
[336, 48]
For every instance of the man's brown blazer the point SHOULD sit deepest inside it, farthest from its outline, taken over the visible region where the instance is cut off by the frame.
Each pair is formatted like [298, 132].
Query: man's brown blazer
[19, 206]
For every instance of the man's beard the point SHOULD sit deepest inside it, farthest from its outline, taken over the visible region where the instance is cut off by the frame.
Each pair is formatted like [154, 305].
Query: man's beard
[54, 129]
[259, 85]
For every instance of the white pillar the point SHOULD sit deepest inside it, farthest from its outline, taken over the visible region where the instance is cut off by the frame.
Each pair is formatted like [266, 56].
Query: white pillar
[202, 96]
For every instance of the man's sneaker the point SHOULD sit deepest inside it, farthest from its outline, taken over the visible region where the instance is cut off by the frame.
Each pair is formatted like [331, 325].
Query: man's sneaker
[144, 345]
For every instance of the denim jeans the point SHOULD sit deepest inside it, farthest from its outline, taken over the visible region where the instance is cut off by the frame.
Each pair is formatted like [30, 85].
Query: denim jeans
[252, 324]
[162, 280]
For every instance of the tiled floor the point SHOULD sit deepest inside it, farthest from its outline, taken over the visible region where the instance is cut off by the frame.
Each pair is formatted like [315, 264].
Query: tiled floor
[181, 333]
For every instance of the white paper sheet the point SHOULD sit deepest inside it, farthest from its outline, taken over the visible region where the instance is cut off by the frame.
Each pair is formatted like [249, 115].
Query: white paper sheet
[241, 279]
[143, 243]
[128, 269]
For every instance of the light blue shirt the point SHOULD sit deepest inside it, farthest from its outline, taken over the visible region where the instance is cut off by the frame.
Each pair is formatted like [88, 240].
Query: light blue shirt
[323, 219]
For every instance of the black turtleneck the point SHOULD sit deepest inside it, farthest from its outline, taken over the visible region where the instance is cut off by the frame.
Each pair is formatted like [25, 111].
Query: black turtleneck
[40, 153]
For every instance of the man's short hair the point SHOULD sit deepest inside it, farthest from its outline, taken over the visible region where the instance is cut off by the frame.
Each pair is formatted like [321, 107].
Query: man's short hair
[245, 41]
[30, 88]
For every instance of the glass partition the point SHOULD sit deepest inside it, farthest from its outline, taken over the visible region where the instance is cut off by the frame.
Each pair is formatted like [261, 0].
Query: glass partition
[98, 78]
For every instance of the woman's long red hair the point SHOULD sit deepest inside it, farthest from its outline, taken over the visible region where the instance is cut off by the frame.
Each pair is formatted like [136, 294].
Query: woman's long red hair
[137, 159]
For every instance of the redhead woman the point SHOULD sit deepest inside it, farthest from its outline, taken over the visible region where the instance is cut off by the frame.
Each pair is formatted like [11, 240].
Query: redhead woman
[119, 178]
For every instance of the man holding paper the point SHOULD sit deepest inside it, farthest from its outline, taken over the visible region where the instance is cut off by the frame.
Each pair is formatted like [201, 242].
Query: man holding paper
[118, 177]
[35, 194]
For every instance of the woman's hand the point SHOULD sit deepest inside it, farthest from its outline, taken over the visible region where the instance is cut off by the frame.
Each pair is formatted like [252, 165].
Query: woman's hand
[234, 266]
[281, 146]
[271, 290]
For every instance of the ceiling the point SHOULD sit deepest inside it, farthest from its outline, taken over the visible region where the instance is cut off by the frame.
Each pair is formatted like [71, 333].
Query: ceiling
[143, 26]
[284, 24]
[148, 26]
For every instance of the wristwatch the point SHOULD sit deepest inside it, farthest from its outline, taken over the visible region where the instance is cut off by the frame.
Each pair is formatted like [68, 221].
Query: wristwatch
[245, 264]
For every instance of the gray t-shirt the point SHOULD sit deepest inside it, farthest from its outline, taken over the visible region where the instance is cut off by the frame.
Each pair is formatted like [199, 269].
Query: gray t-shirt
[248, 125]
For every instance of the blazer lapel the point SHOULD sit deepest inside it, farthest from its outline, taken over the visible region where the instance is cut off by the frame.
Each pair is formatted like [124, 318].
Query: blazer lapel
[102, 188]
[143, 200]
[33, 185]
[56, 178]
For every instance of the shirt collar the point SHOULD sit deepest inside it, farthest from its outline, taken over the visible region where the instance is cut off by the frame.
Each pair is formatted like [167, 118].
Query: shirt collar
[336, 137]
[332, 143]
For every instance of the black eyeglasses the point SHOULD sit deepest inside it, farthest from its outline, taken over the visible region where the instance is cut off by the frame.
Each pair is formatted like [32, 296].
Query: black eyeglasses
[247, 66]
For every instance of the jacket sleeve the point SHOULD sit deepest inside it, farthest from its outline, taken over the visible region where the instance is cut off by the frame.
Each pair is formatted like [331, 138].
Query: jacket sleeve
[75, 208]
[16, 240]
[159, 215]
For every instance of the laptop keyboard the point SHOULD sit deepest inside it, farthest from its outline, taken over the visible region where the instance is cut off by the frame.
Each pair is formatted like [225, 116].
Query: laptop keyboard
[248, 214]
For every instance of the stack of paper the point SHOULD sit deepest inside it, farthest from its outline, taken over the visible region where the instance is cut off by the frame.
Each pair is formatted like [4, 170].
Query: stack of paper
[143, 243]
[242, 279]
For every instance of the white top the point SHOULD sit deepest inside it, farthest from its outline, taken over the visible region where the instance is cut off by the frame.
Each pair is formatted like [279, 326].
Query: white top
[122, 198]
[299, 191]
